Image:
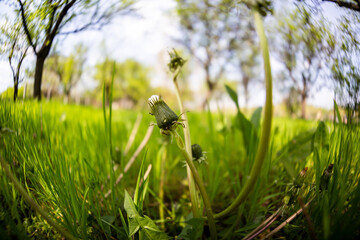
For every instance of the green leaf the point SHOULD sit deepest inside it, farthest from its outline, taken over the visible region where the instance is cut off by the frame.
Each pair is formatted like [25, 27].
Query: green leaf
[255, 118]
[320, 145]
[133, 226]
[193, 229]
[129, 206]
[126, 228]
[296, 150]
[149, 229]
[139, 190]
[108, 220]
[321, 137]
[233, 95]
[243, 124]
[337, 112]
[247, 129]
[137, 222]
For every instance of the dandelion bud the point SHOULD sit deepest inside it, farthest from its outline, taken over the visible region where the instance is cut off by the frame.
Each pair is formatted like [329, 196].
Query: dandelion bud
[176, 61]
[197, 153]
[166, 119]
[325, 177]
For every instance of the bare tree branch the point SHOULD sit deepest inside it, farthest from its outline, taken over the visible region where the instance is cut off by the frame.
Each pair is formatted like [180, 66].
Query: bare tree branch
[26, 29]
[101, 20]
[346, 4]
[53, 11]
[60, 19]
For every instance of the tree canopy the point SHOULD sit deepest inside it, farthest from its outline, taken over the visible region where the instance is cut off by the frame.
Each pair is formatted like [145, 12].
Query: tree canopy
[43, 20]
[305, 45]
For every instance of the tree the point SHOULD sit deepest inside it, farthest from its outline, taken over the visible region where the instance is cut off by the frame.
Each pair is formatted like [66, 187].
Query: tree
[353, 5]
[68, 69]
[12, 43]
[345, 69]
[246, 51]
[208, 33]
[134, 78]
[131, 79]
[103, 74]
[348, 4]
[44, 20]
[305, 43]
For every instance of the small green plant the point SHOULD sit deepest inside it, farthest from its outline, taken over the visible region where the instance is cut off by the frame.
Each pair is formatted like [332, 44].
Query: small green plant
[137, 221]
[168, 121]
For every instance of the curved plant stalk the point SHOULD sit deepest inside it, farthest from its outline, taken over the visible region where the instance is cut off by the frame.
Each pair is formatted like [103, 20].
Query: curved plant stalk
[32, 202]
[199, 183]
[192, 188]
[266, 125]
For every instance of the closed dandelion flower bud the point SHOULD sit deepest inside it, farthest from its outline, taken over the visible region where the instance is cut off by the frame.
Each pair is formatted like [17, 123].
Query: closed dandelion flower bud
[175, 61]
[165, 117]
[197, 153]
[325, 177]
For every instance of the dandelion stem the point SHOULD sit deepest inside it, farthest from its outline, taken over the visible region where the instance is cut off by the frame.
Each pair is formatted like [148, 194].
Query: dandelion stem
[199, 183]
[192, 187]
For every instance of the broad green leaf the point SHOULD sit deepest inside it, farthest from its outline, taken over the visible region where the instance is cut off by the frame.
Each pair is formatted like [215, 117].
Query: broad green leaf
[133, 226]
[193, 229]
[233, 95]
[247, 129]
[320, 144]
[149, 229]
[255, 118]
[321, 137]
[296, 150]
[108, 221]
[243, 124]
[337, 112]
[129, 206]
[136, 222]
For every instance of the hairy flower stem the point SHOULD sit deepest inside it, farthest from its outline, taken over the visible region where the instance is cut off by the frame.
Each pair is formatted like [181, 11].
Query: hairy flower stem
[32, 202]
[199, 183]
[266, 125]
[192, 188]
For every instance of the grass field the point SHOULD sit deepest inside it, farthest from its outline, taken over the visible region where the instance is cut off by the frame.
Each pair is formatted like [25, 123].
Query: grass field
[62, 156]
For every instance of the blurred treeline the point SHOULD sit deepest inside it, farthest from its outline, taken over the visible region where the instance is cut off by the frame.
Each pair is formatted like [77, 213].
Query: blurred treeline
[309, 51]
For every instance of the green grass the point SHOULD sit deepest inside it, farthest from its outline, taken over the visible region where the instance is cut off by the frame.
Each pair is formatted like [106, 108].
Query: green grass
[60, 154]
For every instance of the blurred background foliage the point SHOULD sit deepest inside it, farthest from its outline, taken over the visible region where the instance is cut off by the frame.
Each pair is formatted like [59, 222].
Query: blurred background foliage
[310, 52]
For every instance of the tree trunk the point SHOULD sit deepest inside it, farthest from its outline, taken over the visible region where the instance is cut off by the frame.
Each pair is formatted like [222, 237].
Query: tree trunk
[48, 93]
[24, 94]
[206, 100]
[66, 98]
[16, 89]
[40, 60]
[303, 106]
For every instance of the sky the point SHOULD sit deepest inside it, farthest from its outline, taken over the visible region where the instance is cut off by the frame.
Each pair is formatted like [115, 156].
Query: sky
[147, 37]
